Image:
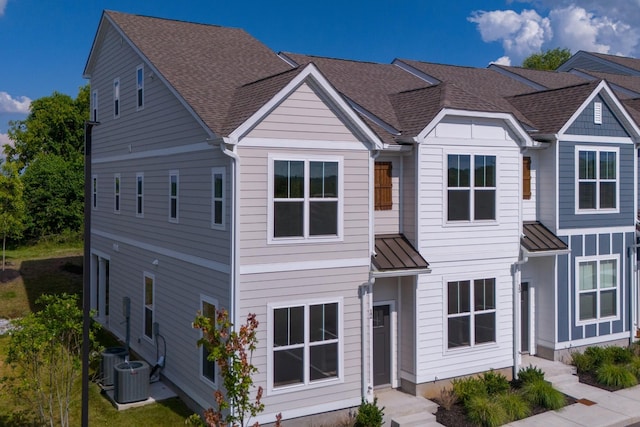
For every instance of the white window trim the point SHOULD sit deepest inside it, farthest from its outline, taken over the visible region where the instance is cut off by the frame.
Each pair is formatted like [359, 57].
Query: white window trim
[94, 105]
[445, 192]
[597, 210]
[306, 238]
[206, 380]
[140, 196]
[116, 98]
[151, 276]
[597, 319]
[94, 192]
[307, 384]
[445, 321]
[175, 173]
[218, 171]
[139, 106]
[117, 193]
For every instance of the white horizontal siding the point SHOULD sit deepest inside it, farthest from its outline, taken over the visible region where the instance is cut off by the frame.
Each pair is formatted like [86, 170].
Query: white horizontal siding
[547, 178]
[303, 115]
[540, 274]
[260, 290]
[254, 206]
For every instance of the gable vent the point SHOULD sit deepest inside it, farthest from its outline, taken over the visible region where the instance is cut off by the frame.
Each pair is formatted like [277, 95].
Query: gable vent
[597, 113]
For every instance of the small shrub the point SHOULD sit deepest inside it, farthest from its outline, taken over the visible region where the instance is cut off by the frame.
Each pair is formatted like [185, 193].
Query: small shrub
[598, 356]
[582, 362]
[495, 383]
[485, 411]
[448, 398]
[621, 355]
[635, 348]
[530, 373]
[369, 415]
[465, 388]
[613, 375]
[634, 367]
[542, 393]
[514, 405]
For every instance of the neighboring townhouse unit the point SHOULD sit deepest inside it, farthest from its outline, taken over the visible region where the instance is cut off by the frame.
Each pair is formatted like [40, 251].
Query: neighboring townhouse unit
[389, 224]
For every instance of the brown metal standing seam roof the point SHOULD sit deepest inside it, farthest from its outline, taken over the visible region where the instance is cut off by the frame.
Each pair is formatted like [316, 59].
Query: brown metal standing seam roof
[394, 252]
[538, 238]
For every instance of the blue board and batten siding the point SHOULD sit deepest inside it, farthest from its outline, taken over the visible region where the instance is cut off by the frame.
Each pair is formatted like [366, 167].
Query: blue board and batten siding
[567, 217]
[584, 125]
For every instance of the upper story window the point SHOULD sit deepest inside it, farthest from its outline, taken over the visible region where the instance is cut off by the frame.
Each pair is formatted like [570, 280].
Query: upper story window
[140, 87]
[217, 197]
[94, 106]
[94, 192]
[598, 294]
[116, 193]
[471, 313]
[383, 186]
[116, 98]
[306, 199]
[597, 179]
[173, 196]
[471, 197]
[305, 344]
[140, 195]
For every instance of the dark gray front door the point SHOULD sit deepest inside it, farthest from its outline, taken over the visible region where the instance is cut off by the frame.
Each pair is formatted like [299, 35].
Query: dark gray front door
[524, 317]
[381, 345]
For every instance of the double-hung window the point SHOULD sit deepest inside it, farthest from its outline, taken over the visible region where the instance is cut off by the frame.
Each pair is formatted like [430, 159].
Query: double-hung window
[116, 98]
[305, 344]
[597, 172]
[173, 196]
[116, 193]
[94, 106]
[140, 87]
[471, 187]
[306, 201]
[598, 285]
[217, 197]
[148, 308]
[471, 313]
[140, 195]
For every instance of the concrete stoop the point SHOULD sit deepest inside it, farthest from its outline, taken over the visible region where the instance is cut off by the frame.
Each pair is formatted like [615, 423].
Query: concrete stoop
[405, 410]
[415, 420]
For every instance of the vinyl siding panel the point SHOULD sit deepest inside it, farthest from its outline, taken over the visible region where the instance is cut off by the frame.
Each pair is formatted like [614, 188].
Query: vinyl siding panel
[162, 123]
[567, 187]
[178, 287]
[254, 205]
[192, 234]
[303, 115]
[407, 334]
[260, 290]
[540, 274]
[388, 221]
[408, 199]
[546, 186]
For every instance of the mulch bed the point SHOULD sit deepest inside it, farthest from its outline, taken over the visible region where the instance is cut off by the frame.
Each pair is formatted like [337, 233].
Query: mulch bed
[456, 417]
[8, 275]
[590, 379]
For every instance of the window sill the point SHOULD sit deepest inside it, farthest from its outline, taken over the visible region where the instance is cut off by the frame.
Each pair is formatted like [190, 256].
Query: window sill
[595, 322]
[597, 211]
[478, 347]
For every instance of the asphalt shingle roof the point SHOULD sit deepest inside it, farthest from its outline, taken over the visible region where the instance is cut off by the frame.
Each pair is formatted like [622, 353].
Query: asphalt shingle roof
[633, 63]
[548, 79]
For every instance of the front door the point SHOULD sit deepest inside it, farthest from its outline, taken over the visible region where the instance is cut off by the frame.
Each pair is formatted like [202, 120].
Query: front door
[524, 317]
[381, 345]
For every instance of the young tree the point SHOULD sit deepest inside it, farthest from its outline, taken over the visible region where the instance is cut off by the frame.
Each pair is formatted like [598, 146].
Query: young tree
[44, 351]
[12, 208]
[550, 59]
[231, 349]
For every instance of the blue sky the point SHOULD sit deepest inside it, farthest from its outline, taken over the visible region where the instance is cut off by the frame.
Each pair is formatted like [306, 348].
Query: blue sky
[44, 45]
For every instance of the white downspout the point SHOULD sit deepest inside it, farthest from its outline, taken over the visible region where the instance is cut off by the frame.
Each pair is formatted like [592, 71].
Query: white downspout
[517, 274]
[234, 297]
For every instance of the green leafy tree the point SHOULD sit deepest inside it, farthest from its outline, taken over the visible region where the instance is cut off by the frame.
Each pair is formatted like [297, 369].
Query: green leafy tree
[231, 350]
[54, 195]
[55, 125]
[45, 354]
[12, 207]
[550, 59]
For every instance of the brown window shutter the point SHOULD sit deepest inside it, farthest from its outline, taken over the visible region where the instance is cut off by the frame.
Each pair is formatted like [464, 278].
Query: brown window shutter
[526, 178]
[383, 201]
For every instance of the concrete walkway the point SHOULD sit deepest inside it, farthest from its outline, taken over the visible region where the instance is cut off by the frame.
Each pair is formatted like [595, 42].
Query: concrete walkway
[598, 408]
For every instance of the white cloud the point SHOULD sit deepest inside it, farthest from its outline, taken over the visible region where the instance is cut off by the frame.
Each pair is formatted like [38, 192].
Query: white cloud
[592, 25]
[503, 60]
[4, 139]
[520, 33]
[8, 104]
[3, 5]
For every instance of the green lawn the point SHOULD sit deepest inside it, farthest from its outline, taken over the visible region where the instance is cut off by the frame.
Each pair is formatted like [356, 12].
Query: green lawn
[55, 268]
